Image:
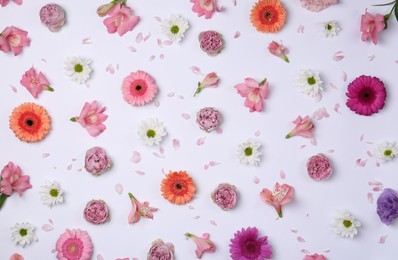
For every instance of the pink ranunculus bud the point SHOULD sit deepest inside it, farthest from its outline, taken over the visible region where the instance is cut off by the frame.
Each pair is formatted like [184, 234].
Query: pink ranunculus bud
[97, 161]
[319, 167]
[208, 118]
[225, 196]
[15, 38]
[96, 212]
[279, 50]
[371, 25]
[35, 82]
[161, 250]
[211, 42]
[52, 16]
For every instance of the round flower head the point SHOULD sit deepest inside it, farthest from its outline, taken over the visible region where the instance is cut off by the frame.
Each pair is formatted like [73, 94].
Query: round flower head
[78, 69]
[97, 161]
[386, 151]
[161, 251]
[178, 187]
[23, 234]
[268, 16]
[310, 83]
[74, 244]
[318, 167]
[366, 95]
[175, 27]
[317, 5]
[208, 118]
[51, 193]
[52, 16]
[331, 29]
[151, 131]
[387, 206]
[139, 88]
[30, 122]
[225, 196]
[344, 224]
[246, 245]
[248, 153]
[211, 42]
[96, 212]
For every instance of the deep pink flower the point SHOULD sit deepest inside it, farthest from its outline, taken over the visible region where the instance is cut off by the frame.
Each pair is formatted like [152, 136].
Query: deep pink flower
[280, 195]
[92, 117]
[139, 88]
[204, 7]
[121, 19]
[52, 16]
[314, 257]
[96, 161]
[211, 42]
[279, 50]
[254, 93]
[317, 5]
[366, 95]
[304, 127]
[161, 251]
[96, 212]
[16, 256]
[5, 2]
[35, 83]
[371, 25]
[225, 196]
[203, 244]
[211, 80]
[139, 210]
[16, 39]
[74, 244]
[12, 180]
[246, 245]
[319, 167]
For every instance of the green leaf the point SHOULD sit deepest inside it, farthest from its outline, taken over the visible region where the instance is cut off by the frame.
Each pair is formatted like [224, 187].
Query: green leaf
[396, 12]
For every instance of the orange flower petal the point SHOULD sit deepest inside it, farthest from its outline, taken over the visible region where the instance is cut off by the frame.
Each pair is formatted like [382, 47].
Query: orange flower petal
[178, 187]
[268, 16]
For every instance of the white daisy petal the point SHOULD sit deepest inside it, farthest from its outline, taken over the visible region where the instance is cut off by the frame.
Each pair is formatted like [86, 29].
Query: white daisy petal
[248, 153]
[51, 193]
[310, 83]
[78, 69]
[344, 224]
[151, 131]
[331, 29]
[23, 234]
[386, 151]
[174, 28]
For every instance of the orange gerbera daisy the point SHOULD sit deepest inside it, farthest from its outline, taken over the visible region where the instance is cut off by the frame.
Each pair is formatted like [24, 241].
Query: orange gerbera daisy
[268, 16]
[178, 187]
[30, 122]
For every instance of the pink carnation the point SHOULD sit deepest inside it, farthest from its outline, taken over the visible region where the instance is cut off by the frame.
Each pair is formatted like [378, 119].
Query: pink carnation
[318, 167]
[225, 196]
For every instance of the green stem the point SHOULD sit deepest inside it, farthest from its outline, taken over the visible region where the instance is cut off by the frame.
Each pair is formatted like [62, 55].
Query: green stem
[50, 89]
[386, 4]
[73, 119]
[3, 198]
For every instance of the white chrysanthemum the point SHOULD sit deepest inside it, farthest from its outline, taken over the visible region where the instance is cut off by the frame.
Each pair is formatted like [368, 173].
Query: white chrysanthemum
[310, 83]
[344, 224]
[331, 29]
[78, 69]
[51, 193]
[386, 151]
[23, 234]
[248, 152]
[175, 27]
[151, 131]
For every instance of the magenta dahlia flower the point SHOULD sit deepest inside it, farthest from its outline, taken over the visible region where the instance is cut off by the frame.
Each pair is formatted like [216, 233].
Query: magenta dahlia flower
[139, 88]
[246, 245]
[366, 95]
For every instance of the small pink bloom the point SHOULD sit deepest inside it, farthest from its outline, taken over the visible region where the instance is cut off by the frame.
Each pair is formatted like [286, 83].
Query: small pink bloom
[121, 19]
[319, 167]
[211, 42]
[92, 117]
[12, 180]
[96, 212]
[211, 80]
[371, 25]
[304, 127]
[97, 161]
[161, 250]
[278, 50]
[225, 196]
[5, 2]
[208, 119]
[16, 256]
[105, 9]
[314, 257]
[139, 210]
[203, 244]
[16, 39]
[35, 83]
[204, 7]
[254, 93]
[281, 195]
[52, 16]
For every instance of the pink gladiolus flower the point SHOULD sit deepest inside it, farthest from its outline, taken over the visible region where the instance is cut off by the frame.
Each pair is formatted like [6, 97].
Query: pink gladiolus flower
[254, 93]
[5, 2]
[204, 7]
[371, 26]
[278, 50]
[139, 210]
[92, 117]
[304, 127]
[314, 257]
[211, 80]
[35, 83]
[203, 244]
[121, 19]
[16, 39]
[281, 195]
[12, 180]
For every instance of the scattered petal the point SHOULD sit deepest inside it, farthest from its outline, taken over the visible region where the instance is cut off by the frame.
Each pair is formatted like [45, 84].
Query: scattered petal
[185, 116]
[360, 162]
[117, 66]
[51, 221]
[237, 34]
[161, 56]
[313, 141]
[375, 183]
[159, 42]
[132, 49]
[69, 167]
[234, 2]
[213, 163]
[44, 60]
[302, 146]
[99, 257]
[369, 153]
[119, 188]
[176, 144]
[206, 166]
[158, 155]
[338, 56]
[332, 86]
[336, 108]
[171, 94]
[300, 29]
[140, 172]
[136, 157]
[139, 38]
[396, 61]
[190, 207]
[45, 155]
[371, 57]
[370, 197]
[14, 89]
[87, 40]
[110, 69]
[256, 180]
[282, 174]
[47, 227]
[157, 103]
[257, 133]
[147, 37]
[152, 57]
[157, 18]
[344, 76]
[180, 97]
[382, 239]
[201, 141]
[330, 151]
[196, 217]
[213, 222]
[300, 239]
[377, 189]
[74, 159]
[196, 70]
[320, 113]
[168, 42]
[305, 251]
[361, 137]
[327, 251]
[294, 230]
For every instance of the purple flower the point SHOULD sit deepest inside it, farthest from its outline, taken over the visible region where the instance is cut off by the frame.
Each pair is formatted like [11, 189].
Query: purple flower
[318, 167]
[225, 196]
[211, 42]
[97, 161]
[208, 118]
[246, 245]
[53, 16]
[387, 206]
[161, 250]
[96, 212]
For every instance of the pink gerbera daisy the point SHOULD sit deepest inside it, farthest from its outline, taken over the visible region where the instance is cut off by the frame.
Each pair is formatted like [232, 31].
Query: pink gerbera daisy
[74, 244]
[246, 245]
[366, 95]
[139, 88]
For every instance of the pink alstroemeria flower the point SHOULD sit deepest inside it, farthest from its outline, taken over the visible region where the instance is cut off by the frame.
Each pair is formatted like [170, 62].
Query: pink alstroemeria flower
[254, 93]
[92, 117]
[279, 50]
[371, 25]
[121, 19]
[35, 83]
[204, 7]
[314, 257]
[281, 195]
[203, 244]
[211, 80]
[12, 180]
[16, 39]
[139, 210]
[304, 127]
[5, 2]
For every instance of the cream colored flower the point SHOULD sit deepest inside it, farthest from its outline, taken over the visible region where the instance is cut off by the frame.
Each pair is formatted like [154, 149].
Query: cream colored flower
[386, 151]
[151, 131]
[344, 224]
[331, 29]
[78, 69]
[175, 27]
[23, 234]
[310, 83]
[248, 153]
[51, 193]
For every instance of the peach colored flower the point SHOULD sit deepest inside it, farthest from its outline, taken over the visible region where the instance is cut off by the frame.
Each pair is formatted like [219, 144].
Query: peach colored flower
[92, 117]
[254, 93]
[139, 210]
[12, 180]
[121, 19]
[35, 83]
[280, 195]
[203, 244]
[279, 50]
[204, 7]
[15, 39]
[371, 25]
[304, 127]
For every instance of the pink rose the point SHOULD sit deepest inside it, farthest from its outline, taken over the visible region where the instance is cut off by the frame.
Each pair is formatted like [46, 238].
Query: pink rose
[121, 19]
[371, 26]
[161, 250]
[96, 212]
[225, 196]
[318, 167]
[211, 42]
[35, 83]
[13, 38]
[208, 118]
[52, 16]
[97, 161]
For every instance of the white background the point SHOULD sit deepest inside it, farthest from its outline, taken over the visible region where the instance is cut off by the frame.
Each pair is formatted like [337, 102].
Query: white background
[314, 202]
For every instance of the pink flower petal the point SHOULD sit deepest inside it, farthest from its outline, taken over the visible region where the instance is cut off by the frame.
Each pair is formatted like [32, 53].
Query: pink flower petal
[117, 66]
[256, 180]
[157, 103]
[234, 2]
[336, 108]
[361, 137]
[370, 197]
[157, 18]
[300, 29]
[44, 60]
[344, 76]
[110, 69]
[185, 116]
[219, 130]
[139, 38]
[190, 207]
[171, 94]
[140, 172]
[50, 221]
[337, 56]
[369, 153]
[257, 133]
[119, 188]
[330, 151]
[14, 89]
[237, 34]
[99, 257]
[377, 189]
[87, 40]
[201, 141]
[313, 141]
[282, 174]
[47, 227]
[176, 144]
[152, 57]
[147, 37]
[375, 183]
[180, 97]
[213, 163]
[69, 167]
[158, 155]
[159, 41]
[168, 42]
[371, 57]
[396, 61]
[196, 217]
[300, 239]
[45, 155]
[196, 70]
[327, 251]
[132, 49]
[294, 230]
[302, 146]
[305, 251]
[136, 157]
[332, 86]
[382, 239]
[161, 56]
[213, 222]
[206, 166]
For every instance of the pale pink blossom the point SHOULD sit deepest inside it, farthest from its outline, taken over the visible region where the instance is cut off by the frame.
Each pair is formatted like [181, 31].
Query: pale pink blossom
[16, 256]
[314, 257]
[280, 195]
[254, 93]
[317, 5]
[13, 38]
[121, 19]
[279, 50]
[139, 210]
[92, 117]
[204, 7]
[161, 250]
[203, 244]
[211, 80]
[12, 180]
[304, 127]
[52, 16]
[371, 25]
[35, 82]
[5, 2]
